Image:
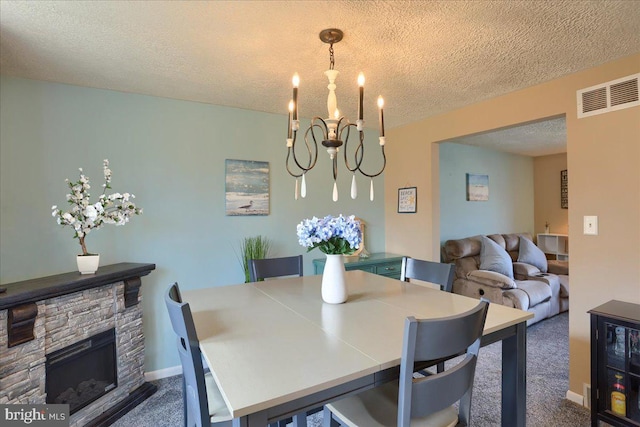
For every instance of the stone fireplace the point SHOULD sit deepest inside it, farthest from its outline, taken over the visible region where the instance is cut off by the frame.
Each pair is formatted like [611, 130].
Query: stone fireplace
[90, 325]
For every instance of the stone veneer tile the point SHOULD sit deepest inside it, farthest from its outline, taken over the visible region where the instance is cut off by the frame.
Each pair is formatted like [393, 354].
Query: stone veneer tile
[62, 321]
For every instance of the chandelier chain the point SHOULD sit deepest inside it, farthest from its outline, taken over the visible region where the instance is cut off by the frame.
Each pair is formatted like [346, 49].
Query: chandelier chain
[332, 60]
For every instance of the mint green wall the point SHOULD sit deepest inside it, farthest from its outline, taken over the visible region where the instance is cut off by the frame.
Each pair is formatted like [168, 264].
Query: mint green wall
[510, 205]
[171, 155]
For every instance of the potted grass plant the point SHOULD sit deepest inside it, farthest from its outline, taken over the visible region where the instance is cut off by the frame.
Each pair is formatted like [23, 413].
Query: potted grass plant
[256, 247]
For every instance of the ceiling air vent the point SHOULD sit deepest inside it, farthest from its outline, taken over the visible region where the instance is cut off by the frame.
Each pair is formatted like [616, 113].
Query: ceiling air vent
[610, 96]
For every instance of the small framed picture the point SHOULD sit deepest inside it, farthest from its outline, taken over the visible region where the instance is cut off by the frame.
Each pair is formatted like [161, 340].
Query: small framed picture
[477, 187]
[564, 190]
[407, 200]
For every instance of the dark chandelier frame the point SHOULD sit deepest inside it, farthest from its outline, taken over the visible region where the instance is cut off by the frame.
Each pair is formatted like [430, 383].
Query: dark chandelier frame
[331, 131]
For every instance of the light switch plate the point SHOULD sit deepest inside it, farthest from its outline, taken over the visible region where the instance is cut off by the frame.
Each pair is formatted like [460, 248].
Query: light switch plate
[591, 225]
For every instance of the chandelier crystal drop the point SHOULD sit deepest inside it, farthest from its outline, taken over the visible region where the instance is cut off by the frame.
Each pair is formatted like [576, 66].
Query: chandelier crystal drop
[330, 131]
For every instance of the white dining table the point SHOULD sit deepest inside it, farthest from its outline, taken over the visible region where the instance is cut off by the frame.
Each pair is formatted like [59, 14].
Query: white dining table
[276, 349]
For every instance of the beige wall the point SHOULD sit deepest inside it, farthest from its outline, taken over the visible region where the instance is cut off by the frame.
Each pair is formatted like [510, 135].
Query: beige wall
[546, 194]
[603, 155]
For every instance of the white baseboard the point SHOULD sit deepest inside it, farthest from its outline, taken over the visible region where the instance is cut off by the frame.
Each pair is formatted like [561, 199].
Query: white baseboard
[163, 373]
[575, 398]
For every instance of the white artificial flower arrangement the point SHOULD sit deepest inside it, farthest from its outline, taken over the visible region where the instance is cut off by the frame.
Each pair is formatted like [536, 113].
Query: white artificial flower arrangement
[84, 216]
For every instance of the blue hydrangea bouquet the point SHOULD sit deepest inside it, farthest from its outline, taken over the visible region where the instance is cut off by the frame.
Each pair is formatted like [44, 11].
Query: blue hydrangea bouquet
[332, 235]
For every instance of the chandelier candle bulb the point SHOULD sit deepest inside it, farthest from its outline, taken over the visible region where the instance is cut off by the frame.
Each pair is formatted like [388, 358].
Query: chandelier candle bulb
[380, 105]
[361, 89]
[289, 123]
[296, 83]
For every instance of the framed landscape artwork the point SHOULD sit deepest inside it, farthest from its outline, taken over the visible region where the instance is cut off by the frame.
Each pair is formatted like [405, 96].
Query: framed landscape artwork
[477, 187]
[246, 187]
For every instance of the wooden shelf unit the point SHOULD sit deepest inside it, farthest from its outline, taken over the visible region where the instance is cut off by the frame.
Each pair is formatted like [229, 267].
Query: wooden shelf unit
[554, 244]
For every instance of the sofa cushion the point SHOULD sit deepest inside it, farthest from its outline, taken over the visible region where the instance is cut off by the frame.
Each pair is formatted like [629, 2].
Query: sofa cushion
[537, 291]
[491, 278]
[531, 254]
[564, 285]
[522, 270]
[493, 257]
[461, 248]
[511, 241]
[558, 267]
[498, 239]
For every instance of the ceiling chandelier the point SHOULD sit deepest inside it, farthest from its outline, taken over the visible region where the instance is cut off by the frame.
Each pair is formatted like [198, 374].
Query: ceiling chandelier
[330, 131]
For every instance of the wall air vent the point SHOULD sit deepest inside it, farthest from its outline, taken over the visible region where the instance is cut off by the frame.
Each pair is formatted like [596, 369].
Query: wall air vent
[611, 96]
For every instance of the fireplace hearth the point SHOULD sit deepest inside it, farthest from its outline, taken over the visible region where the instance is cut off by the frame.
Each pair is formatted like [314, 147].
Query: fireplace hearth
[82, 372]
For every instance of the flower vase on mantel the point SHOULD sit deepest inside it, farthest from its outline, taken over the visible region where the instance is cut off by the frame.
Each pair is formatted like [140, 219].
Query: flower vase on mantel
[88, 264]
[334, 285]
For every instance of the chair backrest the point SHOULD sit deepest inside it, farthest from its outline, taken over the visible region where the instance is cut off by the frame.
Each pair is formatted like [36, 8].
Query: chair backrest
[260, 269]
[429, 271]
[197, 408]
[431, 339]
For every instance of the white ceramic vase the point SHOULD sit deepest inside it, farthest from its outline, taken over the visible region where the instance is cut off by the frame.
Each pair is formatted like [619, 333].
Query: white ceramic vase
[88, 264]
[334, 285]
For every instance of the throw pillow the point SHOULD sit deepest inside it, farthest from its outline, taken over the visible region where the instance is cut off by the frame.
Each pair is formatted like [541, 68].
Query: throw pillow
[493, 257]
[531, 254]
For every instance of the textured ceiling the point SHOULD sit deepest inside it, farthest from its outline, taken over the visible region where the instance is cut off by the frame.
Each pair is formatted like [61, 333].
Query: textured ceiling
[541, 138]
[426, 58]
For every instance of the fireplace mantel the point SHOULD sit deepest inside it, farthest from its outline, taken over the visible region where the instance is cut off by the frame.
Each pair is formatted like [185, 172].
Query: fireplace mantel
[41, 316]
[33, 290]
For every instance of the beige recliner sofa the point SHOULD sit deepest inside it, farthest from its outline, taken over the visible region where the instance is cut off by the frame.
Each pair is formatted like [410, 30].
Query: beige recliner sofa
[530, 289]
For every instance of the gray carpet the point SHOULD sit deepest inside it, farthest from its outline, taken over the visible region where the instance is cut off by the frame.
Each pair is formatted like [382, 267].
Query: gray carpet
[547, 383]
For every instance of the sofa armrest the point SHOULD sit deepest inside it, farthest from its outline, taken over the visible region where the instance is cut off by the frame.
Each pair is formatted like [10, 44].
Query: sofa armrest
[519, 299]
[491, 278]
[524, 270]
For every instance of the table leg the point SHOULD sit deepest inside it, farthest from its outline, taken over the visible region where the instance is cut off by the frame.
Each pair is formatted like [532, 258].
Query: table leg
[251, 420]
[514, 377]
[300, 420]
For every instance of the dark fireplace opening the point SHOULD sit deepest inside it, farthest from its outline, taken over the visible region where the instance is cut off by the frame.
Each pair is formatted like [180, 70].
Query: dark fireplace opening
[82, 372]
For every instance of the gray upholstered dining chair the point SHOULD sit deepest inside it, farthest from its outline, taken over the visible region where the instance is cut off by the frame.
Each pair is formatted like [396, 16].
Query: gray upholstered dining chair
[428, 271]
[203, 403]
[260, 269]
[426, 401]
[432, 272]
